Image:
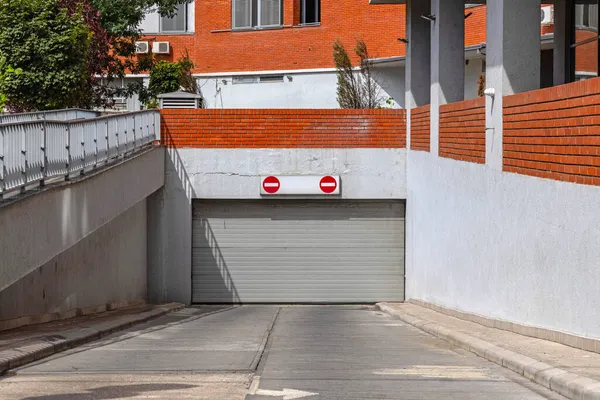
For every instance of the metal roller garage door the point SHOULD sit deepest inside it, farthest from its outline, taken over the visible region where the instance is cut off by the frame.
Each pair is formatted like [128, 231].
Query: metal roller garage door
[297, 252]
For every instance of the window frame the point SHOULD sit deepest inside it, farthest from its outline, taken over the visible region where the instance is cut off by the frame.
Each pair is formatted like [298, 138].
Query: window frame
[573, 44]
[185, 21]
[303, 13]
[255, 24]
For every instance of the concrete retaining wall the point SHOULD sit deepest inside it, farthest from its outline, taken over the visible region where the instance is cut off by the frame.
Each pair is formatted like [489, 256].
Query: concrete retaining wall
[106, 267]
[503, 245]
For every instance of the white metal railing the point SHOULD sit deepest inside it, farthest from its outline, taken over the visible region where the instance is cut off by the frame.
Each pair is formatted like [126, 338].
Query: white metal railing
[35, 152]
[54, 115]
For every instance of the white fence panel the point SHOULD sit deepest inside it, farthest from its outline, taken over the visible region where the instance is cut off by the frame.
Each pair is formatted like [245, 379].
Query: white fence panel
[14, 159]
[76, 147]
[57, 151]
[34, 151]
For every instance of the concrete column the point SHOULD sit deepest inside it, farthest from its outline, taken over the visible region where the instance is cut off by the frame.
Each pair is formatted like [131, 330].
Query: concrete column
[447, 59]
[169, 222]
[561, 41]
[513, 62]
[418, 58]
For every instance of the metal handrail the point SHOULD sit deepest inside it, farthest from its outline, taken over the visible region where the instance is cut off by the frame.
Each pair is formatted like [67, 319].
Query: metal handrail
[33, 153]
[58, 115]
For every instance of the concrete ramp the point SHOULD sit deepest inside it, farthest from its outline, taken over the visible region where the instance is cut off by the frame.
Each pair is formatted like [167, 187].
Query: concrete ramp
[70, 245]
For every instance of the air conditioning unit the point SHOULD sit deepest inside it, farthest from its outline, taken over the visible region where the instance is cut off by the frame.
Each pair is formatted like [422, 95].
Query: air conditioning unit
[548, 15]
[142, 48]
[161, 48]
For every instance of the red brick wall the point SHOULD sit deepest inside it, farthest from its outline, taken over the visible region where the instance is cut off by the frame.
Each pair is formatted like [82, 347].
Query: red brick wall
[283, 128]
[299, 47]
[292, 47]
[462, 130]
[419, 128]
[553, 133]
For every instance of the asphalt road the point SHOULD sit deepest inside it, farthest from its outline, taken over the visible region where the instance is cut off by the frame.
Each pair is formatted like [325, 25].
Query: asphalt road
[262, 352]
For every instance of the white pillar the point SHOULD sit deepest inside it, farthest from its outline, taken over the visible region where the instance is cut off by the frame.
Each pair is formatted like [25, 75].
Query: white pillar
[447, 59]
[418, 58]
[513, 62]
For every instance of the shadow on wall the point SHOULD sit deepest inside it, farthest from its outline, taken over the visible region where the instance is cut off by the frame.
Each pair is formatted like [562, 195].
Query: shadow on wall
[215, 273]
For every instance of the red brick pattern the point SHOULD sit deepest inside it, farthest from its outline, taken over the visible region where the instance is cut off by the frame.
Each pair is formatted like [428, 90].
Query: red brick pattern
[555, 133]
[283, 128]
[215, 48]
[420, 128]
[462, 130]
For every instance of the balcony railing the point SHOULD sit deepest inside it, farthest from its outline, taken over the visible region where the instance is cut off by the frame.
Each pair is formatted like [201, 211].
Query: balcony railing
[54, 115]
[36, 152]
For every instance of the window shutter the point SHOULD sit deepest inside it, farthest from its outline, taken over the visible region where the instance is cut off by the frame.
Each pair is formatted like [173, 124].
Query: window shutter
[242, 13]
[270, 12]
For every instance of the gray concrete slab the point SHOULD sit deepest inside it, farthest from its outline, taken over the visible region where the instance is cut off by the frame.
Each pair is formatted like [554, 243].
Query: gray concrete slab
[224, 341]
[321, 352]
[358, 353]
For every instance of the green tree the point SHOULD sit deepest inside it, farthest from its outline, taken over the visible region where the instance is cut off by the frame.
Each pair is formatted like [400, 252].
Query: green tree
[166, 77]
[44, 52]
[356, 86]
[67, 50]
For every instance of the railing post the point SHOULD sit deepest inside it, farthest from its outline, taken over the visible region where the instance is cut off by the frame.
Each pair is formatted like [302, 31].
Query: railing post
[24, 165]
[83, 134]
[117, 125]
[96, 144]
[2, 166]
[68, 130]
[45, 153]
[134, 131]
[107, 142]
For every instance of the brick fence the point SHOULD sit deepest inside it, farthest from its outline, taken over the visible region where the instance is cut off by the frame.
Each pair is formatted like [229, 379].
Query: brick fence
[462, 130]
[419, 128]
[555, 132]
[283, 128]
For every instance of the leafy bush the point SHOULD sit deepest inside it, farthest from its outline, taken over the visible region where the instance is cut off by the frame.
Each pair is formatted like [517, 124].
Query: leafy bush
[44, 50]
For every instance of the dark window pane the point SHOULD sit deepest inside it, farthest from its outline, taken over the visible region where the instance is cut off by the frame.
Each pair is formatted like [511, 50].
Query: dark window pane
[311, 11]
[177, 23]
[242, 13]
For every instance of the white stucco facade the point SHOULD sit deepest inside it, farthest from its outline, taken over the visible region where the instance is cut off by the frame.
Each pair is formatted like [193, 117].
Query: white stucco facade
[236, 173]
[503, 245]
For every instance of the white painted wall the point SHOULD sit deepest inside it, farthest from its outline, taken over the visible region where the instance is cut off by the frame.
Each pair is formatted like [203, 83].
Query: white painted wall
[235, 173]
[503, 245]
[303, 90]
[107, 266]
[391, 80]
[472, 72]
[41, 226]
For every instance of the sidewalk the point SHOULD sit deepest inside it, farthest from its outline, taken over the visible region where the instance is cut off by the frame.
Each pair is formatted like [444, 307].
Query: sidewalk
[29, 343]
[571, 372]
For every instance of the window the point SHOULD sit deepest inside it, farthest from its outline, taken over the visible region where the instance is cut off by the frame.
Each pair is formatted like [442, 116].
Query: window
[177, 23]
[311, 12]
[256, 13]
[584, 42]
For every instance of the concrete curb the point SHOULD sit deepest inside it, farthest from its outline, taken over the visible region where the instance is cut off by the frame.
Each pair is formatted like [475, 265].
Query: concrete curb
[572, 386]
[48, 345]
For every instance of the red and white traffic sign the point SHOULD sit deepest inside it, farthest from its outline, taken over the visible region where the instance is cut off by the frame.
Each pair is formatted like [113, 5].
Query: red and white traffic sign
[303, 185]
[271, 184]
[328, 184]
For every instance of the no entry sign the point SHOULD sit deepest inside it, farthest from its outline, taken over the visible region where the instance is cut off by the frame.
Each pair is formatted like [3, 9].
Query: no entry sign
[271, 184]
[328, 184]
[285, 185]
